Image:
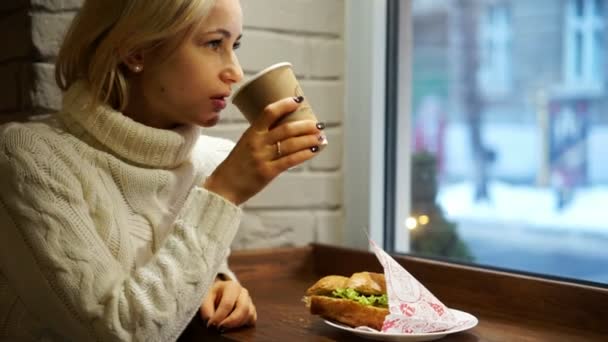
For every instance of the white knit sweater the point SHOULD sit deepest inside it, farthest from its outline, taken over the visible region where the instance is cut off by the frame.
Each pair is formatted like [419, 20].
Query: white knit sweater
[105, 233]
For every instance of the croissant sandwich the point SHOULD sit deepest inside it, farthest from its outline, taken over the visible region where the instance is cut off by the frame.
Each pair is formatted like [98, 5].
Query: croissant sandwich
[360, 300]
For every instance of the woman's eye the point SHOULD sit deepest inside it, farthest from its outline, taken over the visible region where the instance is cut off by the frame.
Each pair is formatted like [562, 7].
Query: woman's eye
[215, 44]
[236, 45]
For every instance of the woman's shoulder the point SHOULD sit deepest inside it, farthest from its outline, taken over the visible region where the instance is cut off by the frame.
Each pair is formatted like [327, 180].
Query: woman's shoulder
[37, 139]
[39, 154]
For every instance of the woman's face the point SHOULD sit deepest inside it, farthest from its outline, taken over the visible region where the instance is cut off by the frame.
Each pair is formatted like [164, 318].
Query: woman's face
[192, 84]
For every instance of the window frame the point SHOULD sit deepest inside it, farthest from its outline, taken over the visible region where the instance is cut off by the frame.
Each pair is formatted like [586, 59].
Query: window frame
[370, 191]
[364, 77]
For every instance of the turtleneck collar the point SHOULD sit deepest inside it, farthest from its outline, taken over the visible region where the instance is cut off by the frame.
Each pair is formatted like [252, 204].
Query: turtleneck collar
[141, 144]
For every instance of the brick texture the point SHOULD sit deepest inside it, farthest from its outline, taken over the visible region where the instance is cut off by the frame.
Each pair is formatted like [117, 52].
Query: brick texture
[47, 33]
[31, 32]
[302, 205]
[310, 190]
[303, 16]
[45, 93]
[57, 5]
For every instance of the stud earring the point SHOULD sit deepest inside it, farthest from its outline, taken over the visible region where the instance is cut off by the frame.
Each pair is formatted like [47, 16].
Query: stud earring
[138, 68]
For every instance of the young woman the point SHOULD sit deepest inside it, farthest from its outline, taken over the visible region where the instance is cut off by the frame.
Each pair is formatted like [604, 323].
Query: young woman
[116, 214]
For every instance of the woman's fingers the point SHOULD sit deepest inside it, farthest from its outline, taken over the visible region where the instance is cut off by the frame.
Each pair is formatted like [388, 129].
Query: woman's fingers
[294, 136]
[274, 112]
[242, 313]
[292, 145]
[295, 159]
[228, 306]
[228, 299]
[292, 129]
[208, 307]
[253, 315]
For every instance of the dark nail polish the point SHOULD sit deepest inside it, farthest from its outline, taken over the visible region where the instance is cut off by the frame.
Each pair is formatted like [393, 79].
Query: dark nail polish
[221, 330]
[298, 99]
[320, 125]
[314, 149]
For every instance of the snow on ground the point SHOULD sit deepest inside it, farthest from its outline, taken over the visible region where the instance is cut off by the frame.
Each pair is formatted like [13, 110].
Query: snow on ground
[528, 206]
[520, 229]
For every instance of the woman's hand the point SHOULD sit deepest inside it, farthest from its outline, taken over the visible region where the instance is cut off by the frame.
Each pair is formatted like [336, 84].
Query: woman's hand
[228, 305]
[262, 152]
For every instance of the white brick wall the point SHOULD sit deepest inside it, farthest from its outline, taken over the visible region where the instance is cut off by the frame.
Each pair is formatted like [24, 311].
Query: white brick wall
[305, 204]
[300, 206]
[324, 17]
[47, 32]
[57, 5]
[31, 32]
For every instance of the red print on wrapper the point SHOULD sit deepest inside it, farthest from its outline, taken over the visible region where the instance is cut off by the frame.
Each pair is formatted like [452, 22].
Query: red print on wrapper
[412, 308]
[407, 310]
[388, 324]
[438, 308]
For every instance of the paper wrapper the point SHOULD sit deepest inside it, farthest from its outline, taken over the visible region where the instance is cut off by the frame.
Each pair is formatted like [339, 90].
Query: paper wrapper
[412, 308]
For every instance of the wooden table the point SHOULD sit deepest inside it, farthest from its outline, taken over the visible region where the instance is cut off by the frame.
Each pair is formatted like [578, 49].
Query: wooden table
[509, 307]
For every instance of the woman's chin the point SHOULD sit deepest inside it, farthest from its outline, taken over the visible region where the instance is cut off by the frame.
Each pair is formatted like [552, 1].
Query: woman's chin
[210, 121]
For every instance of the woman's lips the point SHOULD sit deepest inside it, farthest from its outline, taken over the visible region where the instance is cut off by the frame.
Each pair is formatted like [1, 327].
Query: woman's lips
[218, 103]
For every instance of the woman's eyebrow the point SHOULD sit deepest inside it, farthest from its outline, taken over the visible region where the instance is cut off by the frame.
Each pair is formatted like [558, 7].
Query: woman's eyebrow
[224, 32]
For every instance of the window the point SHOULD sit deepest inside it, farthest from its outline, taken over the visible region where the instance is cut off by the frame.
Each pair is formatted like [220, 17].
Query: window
[495, 49]
[518, 184]
[584, 43]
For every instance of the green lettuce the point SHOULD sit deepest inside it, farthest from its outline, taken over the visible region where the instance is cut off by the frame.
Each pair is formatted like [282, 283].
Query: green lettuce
[373, 300]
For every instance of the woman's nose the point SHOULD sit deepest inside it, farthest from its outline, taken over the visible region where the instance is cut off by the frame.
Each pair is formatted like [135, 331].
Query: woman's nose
[233, 72]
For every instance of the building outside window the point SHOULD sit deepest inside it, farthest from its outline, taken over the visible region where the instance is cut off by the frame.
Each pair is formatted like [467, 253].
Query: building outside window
[495, 49]
[584, 43]
[517, 184]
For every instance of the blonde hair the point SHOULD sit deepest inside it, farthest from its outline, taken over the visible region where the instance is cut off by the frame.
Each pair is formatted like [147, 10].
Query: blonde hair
[104, 32]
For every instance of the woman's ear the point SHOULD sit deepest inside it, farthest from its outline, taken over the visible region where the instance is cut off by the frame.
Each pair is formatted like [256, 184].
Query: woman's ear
[134, 61]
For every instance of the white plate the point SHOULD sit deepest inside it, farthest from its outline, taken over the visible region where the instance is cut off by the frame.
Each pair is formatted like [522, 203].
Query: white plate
[377, 335]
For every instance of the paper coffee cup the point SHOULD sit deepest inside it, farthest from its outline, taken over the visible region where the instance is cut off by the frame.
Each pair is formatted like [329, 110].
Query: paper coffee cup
[274, 83]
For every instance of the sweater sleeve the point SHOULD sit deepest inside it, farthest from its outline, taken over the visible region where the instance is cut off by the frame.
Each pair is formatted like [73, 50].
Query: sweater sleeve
[213, 151]
[66, 275]
[225, 273]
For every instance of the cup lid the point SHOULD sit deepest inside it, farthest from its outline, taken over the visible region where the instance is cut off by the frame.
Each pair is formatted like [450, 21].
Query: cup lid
[257, 75]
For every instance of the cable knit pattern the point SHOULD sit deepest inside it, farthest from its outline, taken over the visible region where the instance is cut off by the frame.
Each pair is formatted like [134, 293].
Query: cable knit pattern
[105, 234]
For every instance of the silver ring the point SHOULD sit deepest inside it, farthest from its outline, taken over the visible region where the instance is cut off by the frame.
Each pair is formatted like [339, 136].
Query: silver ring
[278, 149]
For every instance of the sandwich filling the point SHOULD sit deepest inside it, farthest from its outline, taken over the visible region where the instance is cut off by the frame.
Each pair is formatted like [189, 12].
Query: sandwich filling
[360, 300]
[352, 294]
